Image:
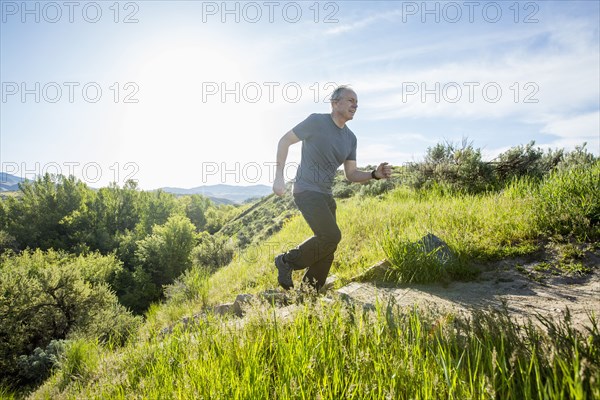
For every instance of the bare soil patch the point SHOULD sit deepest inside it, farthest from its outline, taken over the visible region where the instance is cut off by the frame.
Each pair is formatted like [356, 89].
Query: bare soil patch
[522, 287]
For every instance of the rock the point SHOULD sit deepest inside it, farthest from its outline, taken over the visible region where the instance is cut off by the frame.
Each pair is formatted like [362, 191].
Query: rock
[243, 298]
[275, 297]
[240, 300]
[329, 282]
[167, 330]
[376, 272]
[432, 243]
[223, 309]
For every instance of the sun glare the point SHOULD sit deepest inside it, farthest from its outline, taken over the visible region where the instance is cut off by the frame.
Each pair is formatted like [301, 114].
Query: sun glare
[182, 115]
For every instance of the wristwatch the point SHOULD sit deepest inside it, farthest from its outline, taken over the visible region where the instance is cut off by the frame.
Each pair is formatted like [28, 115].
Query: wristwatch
[373, 175]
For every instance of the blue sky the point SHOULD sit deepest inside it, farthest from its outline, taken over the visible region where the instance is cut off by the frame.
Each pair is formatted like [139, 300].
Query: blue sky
[187, 93]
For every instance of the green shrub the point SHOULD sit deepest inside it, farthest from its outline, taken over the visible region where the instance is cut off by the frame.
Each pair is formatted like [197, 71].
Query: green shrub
[193, 285]
[218, 216]
[51, 295]
[452, 168]
[35, 368]
[213, 252]
[578, 157]
[568, 202]
[376, 188]
[166, 253]
[457, 167]
[7, 242]
[526, 161]
[112, 324]
[410, 262]
[343, 190]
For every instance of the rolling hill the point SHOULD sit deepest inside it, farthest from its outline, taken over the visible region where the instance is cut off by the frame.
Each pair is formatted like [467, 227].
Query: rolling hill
[233, 193]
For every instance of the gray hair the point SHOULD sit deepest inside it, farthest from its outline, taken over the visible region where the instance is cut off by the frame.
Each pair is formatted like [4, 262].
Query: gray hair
[337, 93]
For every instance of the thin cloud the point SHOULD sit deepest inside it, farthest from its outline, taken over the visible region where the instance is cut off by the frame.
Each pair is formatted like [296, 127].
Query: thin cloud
[581, 126]
[364, 22]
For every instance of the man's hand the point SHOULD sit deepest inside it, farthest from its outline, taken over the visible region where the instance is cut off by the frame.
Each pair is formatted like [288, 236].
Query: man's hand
[383, 171]
[279, 186]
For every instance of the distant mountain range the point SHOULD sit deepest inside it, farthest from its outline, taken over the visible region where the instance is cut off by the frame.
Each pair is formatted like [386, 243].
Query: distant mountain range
[9, 183]
[220, 194]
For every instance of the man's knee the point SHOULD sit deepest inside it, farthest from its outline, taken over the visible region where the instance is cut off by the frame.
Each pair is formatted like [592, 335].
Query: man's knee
[336, 237]
[332, 238]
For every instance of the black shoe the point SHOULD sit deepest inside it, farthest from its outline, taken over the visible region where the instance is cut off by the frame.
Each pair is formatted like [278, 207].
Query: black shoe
[284, 276]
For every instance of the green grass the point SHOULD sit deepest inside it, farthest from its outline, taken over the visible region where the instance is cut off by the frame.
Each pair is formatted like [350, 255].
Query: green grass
[7, 394]
[411, 262]
[333, 351]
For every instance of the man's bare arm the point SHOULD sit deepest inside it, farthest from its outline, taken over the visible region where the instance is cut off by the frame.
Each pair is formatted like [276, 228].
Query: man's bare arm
[283, 146]
[353, 174]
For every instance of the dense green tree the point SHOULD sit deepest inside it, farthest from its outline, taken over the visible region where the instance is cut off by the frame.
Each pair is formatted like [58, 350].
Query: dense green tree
[137, 290]
[7, 241]
[154, 209]
[42, 216]
[217, 217]
[195, 209]
[107, 213]
[165, 254]
[121, 207]
[159, 258]
[3, 214]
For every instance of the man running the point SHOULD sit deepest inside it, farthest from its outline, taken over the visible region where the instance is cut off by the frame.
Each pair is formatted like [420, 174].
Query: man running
[327, 143]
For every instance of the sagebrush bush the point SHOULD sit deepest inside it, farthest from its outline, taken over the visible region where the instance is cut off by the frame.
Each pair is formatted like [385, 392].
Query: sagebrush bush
[51, 295]
[343, 190]
[460, 168]
[376, 188]
[452, 168]
[36, 367]
[525, 160]
[578, 157]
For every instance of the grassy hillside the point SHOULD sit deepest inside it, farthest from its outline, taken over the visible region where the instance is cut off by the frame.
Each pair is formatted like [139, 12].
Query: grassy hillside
[475, 227]
[329, 350]
[259, 221]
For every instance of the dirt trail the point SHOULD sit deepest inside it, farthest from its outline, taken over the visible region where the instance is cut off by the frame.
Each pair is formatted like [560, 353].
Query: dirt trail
[513, 283]
[523, 296]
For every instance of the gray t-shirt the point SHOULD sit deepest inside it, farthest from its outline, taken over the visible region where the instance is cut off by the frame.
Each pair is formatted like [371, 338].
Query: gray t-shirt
[324, 148]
